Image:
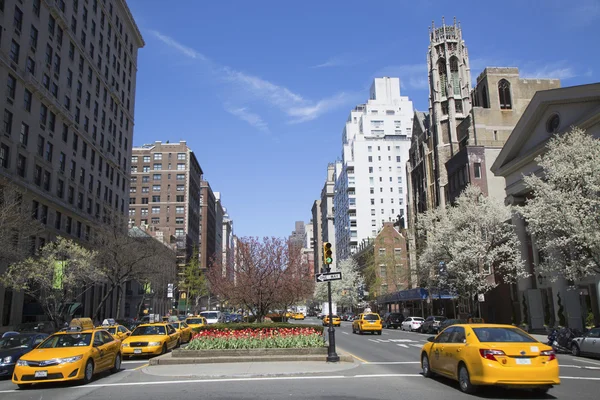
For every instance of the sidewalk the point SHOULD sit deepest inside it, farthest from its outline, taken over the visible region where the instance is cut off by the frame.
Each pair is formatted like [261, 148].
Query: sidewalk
[247, 369]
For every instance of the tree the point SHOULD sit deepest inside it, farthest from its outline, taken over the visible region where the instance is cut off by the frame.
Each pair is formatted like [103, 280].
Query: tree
[563, 212]
[476, 243]
[298, 283]
[133, 255]
[193, 282]
[17, 224]
[260, 274]
[345, 291]
[60, 273]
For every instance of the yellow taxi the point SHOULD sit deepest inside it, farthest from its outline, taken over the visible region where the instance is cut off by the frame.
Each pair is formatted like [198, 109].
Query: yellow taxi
[336, 321]
[490, 354]
[367, 322]
[118, 331]
[73, 354]
[151, 339]
[184, 330]
[298, 316]
[196, 322]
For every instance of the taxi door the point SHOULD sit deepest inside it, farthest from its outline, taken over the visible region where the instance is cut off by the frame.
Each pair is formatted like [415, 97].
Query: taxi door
[436, 354]
[453, 351]
[173, 336]
[101, 353]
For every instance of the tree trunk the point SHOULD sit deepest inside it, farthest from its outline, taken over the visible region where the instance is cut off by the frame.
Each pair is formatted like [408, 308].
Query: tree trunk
[102, 302]
[139, 311]
[119, 298]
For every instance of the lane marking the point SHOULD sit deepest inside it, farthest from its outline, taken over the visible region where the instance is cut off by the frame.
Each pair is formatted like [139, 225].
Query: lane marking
[578, 367]
[141, 366]
[393, 362]
[134, 362]
[580, 378]
[352, 355]
[345, 333]
[374, 340]
[585, 361]
[385, 375]
[402, 345]
[416, 345]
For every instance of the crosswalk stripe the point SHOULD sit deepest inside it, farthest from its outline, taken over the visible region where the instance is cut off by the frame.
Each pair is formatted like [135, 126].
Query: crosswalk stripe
[402, 345]
[416, 345]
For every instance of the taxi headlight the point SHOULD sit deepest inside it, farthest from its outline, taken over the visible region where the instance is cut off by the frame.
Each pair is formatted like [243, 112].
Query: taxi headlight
[154, 344]
[22, 363]
[68, 360]
[125, 345]
[7, 360]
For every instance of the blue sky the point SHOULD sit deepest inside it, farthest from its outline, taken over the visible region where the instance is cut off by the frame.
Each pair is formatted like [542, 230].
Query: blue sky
[261, 89]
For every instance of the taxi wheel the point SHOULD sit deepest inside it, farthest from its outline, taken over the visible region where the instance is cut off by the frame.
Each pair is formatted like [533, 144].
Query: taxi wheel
[164, 349]
[425, 366]
[88, 373]
[464, 380]
[24, 386]
[379, 332]
[117, 367]
[178, 343]
[575, 350]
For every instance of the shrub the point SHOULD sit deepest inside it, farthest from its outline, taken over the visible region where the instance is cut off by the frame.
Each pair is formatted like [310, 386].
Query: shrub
[242, 326]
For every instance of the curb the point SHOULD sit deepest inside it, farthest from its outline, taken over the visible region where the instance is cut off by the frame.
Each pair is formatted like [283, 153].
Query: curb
[167, 359]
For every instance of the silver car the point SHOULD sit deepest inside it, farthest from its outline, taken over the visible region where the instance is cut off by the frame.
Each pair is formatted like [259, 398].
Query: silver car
[588, 344]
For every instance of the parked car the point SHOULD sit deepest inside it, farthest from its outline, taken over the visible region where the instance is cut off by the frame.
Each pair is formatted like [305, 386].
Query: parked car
[412, 324]
[14, 346]
[432, 324]
[392, 320]
[446, 323]
[48, 327]
[587, 344]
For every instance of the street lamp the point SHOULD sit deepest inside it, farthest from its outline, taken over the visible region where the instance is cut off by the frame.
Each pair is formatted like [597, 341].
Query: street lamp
[540, 279]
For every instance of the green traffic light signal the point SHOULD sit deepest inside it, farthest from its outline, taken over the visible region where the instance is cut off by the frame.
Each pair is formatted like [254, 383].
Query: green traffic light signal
[327, 253]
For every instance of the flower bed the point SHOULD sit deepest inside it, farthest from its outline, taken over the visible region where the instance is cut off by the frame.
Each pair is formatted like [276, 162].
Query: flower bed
[253, 336]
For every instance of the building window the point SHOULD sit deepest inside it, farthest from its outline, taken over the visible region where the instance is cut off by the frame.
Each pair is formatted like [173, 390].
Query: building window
[155, 220]
[157, 167]
[181, 156]
[156, 177]
[179, 220]
[4, 155]
[146, 159]
[381, 252]
[181, 188]
[443, 77]
[156, 210]
[179, 210]
[484, 98]
[454, 75]
[14, 51]
[156, 199]
[179, 232]
[156, 188]
[134, 159]
[180, 167]
[180, 177]
[504, 95]
[180, 198]
[8, 120]
[144, 200]
[157, 156]
[477, 170]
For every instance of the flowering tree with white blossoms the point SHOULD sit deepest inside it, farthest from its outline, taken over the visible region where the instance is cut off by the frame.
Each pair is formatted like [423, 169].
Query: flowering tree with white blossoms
[345, 291]
[476, 242]
[563, 214]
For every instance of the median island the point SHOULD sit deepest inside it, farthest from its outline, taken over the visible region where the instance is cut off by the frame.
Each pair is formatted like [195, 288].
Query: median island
[251, 342]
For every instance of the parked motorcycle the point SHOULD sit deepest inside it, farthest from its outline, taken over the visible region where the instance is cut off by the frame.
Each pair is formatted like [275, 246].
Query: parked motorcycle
[561, 339]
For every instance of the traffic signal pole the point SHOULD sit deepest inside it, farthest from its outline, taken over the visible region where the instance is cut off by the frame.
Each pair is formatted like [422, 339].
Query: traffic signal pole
[327, 260]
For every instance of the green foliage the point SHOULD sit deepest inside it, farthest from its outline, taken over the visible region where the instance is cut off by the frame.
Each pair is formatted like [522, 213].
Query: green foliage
[561, 311]
[193, 281]
[242, 326]
[56, 276]
[589, 321]
[274, 342]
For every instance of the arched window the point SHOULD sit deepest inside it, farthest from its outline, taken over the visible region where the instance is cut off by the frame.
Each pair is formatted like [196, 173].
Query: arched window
[504, 95]
[484, 98]
[443, 76]
[454, 75]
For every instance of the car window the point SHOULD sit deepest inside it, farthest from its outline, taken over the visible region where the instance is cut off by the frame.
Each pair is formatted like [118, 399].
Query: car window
[594, 333]
[502, 335]
[458, 335]
[444, 337]
[122, 329]
[106, 338]
[184, 324]
[12, 342]
[194, 321]
[67, 340]
[112, 330]
[170, 329]
[38, 340]
[371, 317]
[149, 330]
[418, 319]
[210, 315]
[175, 325]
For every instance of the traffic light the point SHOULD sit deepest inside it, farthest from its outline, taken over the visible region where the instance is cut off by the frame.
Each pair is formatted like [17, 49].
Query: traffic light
[327, 253]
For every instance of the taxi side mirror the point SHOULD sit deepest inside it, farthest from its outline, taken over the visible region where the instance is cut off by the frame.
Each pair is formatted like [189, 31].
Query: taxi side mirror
[431, 339]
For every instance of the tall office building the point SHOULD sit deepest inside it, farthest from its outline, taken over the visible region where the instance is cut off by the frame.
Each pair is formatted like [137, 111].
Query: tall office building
[164, 196]
[371, 187]
[70, 72]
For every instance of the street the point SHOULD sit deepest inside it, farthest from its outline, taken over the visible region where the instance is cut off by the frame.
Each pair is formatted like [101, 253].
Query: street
[386, 367]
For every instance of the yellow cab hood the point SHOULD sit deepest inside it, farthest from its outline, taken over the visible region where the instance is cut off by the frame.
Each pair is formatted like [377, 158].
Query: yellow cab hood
[146, 338]
[48, 354]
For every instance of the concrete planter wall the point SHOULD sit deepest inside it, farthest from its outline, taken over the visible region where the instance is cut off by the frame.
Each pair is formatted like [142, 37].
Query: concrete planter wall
[183, 353]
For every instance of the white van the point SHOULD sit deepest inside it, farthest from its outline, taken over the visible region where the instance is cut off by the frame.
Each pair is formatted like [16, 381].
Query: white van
[212, 317]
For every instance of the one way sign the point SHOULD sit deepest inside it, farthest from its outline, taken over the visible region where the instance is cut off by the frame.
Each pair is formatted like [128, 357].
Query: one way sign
[331, 276]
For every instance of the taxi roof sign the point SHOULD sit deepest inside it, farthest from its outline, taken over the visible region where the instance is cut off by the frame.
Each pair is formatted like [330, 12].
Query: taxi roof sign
[81, 323]
[109, 322]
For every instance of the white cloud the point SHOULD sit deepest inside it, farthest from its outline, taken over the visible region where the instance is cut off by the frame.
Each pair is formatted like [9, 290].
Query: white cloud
[253, 119]
[292, 104]
[413, 76]
[187, 51]
[558, 70]
[338, 61]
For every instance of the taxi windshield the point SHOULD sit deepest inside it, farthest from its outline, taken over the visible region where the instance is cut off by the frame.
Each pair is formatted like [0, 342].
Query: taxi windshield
[112, 330]
[67, 340]
[149, 330]
[12, 342]
[175, 324]
[194, 321]
[371, 317]
[502, 335]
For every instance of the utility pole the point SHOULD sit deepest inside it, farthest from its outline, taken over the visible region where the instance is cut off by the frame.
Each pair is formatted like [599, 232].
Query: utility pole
[327, 260]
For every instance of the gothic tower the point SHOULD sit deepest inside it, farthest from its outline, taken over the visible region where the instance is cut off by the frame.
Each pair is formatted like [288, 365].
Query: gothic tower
[449, 96]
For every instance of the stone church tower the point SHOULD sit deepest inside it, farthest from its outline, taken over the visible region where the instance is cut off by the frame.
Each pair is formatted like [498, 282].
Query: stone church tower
[449, 97]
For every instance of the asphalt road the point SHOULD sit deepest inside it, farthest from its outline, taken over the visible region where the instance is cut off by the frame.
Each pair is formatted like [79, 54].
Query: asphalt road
[387, 367]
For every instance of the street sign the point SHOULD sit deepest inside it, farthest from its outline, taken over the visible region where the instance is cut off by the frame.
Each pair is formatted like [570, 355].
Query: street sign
[170, 290]
[331, 276]
[481, 298]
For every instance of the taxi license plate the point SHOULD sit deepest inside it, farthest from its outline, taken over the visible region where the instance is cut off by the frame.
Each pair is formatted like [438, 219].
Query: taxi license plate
[523, 361]
[137, 351]
[41, 374]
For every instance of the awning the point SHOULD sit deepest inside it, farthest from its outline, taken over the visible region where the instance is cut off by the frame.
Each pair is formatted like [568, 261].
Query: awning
[416, 294]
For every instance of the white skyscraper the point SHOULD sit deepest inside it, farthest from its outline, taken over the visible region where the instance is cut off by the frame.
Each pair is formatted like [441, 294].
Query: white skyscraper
[371, 186]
